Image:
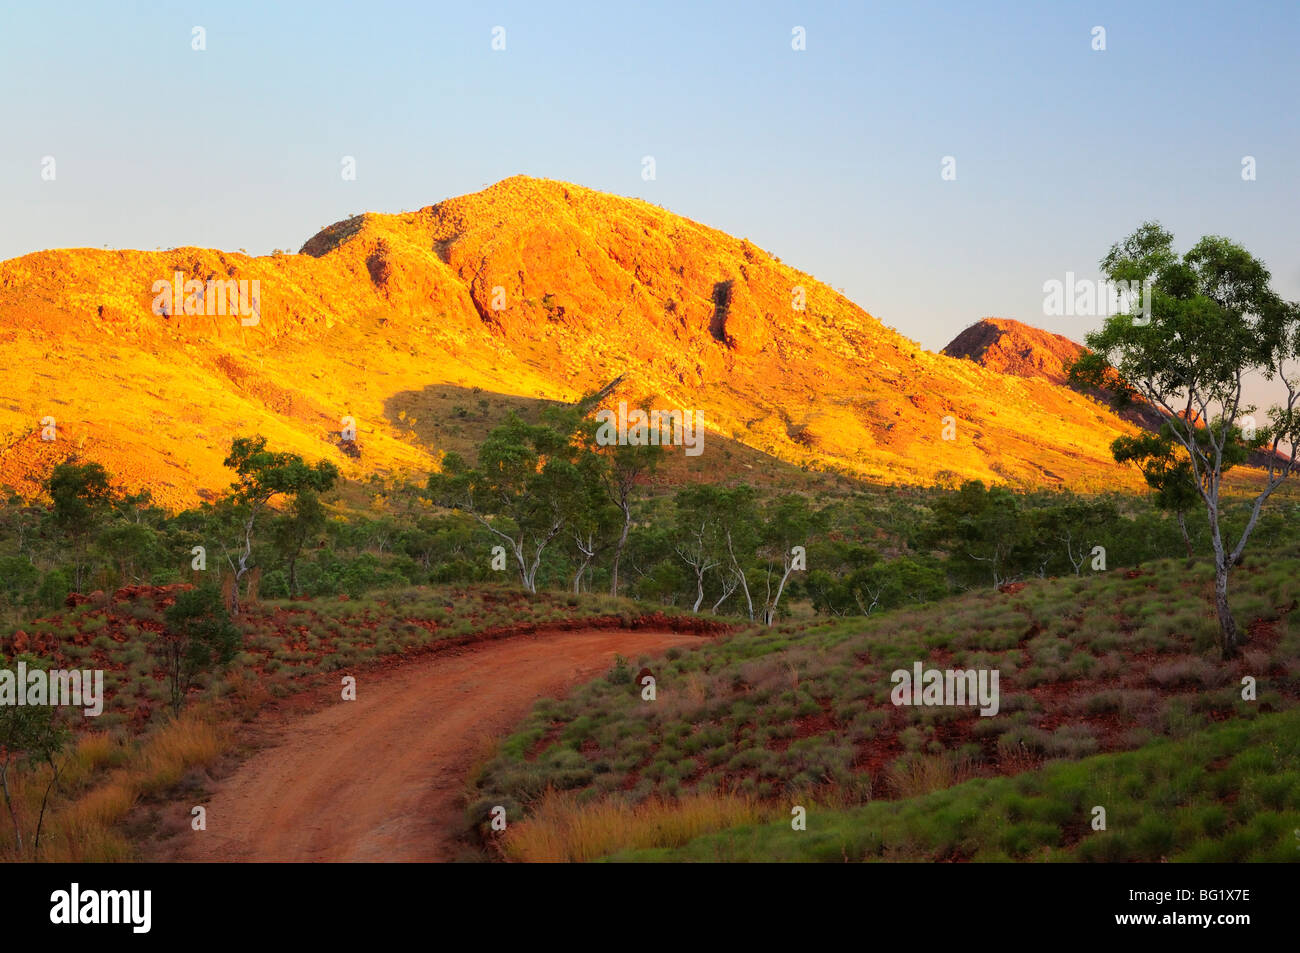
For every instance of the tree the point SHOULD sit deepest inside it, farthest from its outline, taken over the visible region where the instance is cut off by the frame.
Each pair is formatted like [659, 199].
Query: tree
[983, 530]
[445, 547]
[699, 538]
[82, 498]
[525, 490]
[852, 579]
[738, 525]
[29, 734]
[596, 516]
[1169, 477]
[895, 582]
[18, 522]
[717, 529]
[18, 579]
[263, 475]
[651, 557]
[836, 562]
[1214, 323]
[303, 518]
[628, 465]
[139, 508]
[1066, 522]
[786, 522]
[624, 466]
[199, 637]
[134, 547]
[53, 589]
[597, 519]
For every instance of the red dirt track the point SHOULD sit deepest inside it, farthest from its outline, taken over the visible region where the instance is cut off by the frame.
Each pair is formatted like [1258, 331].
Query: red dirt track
[381, 778]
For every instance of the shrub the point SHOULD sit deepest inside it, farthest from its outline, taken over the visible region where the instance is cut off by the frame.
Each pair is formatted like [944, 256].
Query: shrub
[199, 636]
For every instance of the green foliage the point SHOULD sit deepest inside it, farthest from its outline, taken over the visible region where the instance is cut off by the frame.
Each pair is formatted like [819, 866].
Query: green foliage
[82, 499]
[199, 638]
[53, 590]
[264, 475]
[620, 674]
[984, 531]
[29, 735]
[1211, 323]
[531, 483]
[18, 579]
[81, 496]
[135, 548]
[880, 547]
[303, 519]
[866, 584]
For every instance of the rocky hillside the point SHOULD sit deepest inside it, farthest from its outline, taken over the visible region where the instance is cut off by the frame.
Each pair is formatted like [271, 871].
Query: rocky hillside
[1010, 347]
[532, 289]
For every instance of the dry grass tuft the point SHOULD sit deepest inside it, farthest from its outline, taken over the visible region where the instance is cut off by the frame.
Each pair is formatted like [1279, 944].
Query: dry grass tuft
[912, 777]
[101, 781]
[562, 830]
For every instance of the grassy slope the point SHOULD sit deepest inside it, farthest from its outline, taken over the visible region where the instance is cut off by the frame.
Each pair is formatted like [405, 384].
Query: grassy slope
[1229, 793]
[1088, 666]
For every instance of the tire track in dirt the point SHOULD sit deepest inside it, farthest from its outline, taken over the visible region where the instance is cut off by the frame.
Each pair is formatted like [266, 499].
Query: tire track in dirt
[380, 778]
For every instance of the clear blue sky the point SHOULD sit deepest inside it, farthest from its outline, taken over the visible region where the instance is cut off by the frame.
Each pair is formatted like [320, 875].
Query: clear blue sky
[829, 158]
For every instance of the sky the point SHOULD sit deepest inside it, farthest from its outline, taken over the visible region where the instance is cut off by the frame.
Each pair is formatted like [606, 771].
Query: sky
[830, 157]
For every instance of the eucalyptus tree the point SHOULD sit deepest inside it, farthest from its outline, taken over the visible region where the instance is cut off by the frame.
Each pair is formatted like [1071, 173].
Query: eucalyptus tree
[1209, 323]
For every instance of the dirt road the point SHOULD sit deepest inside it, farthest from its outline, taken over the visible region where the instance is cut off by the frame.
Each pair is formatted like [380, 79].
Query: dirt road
[379, 778]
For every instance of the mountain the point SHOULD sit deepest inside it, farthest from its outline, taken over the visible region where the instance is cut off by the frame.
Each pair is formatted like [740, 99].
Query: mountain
[530, 289]
[1010, 347]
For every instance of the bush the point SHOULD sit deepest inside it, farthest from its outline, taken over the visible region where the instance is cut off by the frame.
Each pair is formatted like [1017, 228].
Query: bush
[18, 579]
[621, 673]
[199, 637]
[53, 590]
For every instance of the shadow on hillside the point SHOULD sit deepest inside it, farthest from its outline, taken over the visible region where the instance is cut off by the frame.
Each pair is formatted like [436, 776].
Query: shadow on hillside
[447, 417]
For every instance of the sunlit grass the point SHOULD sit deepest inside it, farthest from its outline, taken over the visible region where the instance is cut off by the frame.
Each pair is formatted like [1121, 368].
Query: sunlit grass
[102, 778]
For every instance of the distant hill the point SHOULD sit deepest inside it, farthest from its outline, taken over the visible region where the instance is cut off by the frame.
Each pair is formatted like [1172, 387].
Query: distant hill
[1012, 347]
